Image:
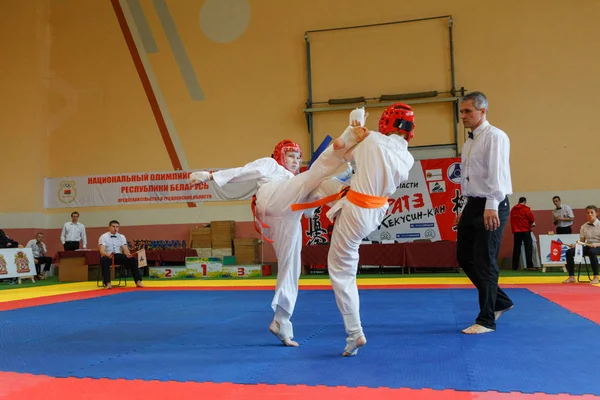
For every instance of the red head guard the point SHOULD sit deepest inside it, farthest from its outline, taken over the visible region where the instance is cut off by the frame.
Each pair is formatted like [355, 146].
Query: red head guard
[281, 150]
[398, 117]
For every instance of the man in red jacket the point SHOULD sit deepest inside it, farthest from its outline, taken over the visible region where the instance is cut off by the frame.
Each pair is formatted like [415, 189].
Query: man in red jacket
[521, 222]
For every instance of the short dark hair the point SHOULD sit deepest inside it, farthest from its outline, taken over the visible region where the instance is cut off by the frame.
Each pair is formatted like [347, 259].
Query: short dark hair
[479, 100]
[114, 221]
[73, 213]
[556, 197]
[592, 207]
[522, 200]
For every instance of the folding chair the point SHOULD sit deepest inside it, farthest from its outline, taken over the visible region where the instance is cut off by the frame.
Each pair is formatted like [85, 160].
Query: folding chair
[587, 269]
[120, 273]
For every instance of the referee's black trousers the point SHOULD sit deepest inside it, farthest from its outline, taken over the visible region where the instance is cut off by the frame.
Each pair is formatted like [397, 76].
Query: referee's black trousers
[477, 254]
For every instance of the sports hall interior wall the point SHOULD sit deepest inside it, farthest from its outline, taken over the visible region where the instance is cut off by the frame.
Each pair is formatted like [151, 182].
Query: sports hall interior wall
[73, 103]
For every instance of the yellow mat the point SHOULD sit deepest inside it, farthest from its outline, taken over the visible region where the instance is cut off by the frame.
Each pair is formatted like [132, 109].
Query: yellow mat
[67, 288]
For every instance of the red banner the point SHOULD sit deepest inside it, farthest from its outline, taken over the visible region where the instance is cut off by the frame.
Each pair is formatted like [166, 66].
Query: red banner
[424, 207]
[555, 250]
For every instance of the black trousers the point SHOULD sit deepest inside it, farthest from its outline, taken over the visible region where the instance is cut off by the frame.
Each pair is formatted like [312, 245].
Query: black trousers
[120, 259]
[45, 261]
[71, 245]
[563, 230]
[477, 254]
[591, 252]
[521, 238]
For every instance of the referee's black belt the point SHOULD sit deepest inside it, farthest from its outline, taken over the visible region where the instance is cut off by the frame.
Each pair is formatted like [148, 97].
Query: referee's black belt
[472, 198]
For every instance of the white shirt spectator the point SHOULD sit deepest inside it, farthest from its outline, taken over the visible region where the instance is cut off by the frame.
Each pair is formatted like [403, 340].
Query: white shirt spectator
[486, 166]
[112, 243]
[590, 232]
[36, 249]
[73, 233]
[564, 211]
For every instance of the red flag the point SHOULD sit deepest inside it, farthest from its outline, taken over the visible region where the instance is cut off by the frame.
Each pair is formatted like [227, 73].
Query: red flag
[555, 250]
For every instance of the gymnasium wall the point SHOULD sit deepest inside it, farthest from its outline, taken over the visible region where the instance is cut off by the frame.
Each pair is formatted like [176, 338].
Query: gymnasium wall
[229, 78]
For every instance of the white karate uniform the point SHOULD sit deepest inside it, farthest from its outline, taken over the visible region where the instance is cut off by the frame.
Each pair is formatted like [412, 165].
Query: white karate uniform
[382, 164]
[278, 189]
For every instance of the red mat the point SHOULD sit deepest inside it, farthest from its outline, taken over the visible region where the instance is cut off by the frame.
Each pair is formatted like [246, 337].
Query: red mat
[15, 386]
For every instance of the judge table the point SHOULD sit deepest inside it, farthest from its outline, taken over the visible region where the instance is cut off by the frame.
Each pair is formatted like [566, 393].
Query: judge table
[82, 265]
[413, 255]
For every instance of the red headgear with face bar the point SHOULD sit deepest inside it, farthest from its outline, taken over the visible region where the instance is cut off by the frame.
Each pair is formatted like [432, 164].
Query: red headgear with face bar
[282, 149]
[400, 118]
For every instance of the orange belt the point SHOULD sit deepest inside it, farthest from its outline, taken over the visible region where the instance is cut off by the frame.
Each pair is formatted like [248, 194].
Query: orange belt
[257, 221]
[358, 199]
[321, 202]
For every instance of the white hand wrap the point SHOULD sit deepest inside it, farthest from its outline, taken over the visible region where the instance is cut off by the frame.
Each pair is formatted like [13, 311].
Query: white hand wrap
[199, 177]
[358, 114]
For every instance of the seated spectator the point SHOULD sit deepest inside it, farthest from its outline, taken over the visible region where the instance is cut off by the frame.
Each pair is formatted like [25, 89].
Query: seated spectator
[113, 245]
[6, 242]
[590, 236]
[40, 255]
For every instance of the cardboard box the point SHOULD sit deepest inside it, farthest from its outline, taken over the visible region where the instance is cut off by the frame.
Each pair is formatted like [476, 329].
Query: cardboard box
[245, 241]
[246, 251]
[222, 252]
[223, 227]
[200, 238]
[222, 234]
[204, 252]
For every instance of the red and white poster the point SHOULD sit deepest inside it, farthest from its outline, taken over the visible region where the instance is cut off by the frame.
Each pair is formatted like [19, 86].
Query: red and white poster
[137, 188]
[424, 207]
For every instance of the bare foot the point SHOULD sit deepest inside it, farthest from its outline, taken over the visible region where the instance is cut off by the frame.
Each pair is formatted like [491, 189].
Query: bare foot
[275, 329]
[570, 279]
[498, 314]
[108, 286]
[139, 284]
[476, 329]
[352, 348]
[594, 281]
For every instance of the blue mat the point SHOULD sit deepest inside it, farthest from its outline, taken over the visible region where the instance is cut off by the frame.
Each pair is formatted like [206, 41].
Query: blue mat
[222, 336]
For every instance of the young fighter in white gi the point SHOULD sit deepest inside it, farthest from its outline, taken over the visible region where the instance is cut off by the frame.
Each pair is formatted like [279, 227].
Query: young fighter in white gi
[278, 188]
[382, 164]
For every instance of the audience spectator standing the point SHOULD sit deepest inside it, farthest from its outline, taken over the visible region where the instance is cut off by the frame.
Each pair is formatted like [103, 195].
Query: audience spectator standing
[563, 217]
[521, 222]
[72, 233]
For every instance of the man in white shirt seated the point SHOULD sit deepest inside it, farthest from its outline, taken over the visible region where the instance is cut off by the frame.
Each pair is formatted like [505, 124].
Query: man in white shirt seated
[589, 234]
[113, 245]
[73, 232]
[40, 255]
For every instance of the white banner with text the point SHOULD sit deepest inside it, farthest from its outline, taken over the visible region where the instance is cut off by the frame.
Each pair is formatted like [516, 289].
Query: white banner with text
[137, 188]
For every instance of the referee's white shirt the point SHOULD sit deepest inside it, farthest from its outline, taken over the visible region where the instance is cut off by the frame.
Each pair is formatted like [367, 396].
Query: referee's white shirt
[486, 166]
